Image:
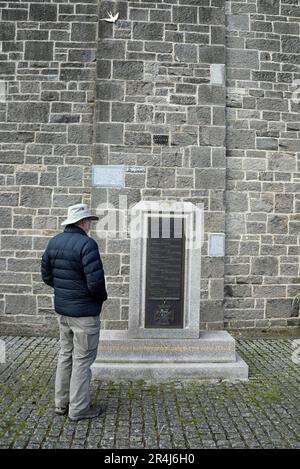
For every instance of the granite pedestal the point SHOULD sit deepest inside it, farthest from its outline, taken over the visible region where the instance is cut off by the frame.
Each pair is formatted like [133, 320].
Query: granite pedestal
[210, 357]
[164, 351]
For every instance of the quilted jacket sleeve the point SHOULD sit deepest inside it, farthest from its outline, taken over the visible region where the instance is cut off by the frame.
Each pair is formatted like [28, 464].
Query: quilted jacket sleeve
[93, 270]
[46, 269]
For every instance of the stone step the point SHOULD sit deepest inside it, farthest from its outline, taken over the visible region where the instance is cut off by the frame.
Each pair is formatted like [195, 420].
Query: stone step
[210, 347]
[238, 370]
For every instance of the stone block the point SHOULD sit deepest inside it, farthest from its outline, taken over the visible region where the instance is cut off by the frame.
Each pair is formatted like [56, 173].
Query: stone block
[28, 178]
[39, 50]
[45, 223]
[9, 199]
[286, 28]
[81, 134]
[111, 309]
[14, 14]
[138, 138]
[263, 44]
[7, 68]
[43, 12]
[217, 35]
[212, 311]
[161, 47]
[122, 112]
[185, 14]
[144, 113]
[188, 135]
[5, 217]
[28, 112]
[186, 53]
[83, 32]
[237, 22]
[269, 291]
[200, 157]
[70, 176]
[212, 54]
[24, 265]
[265, 265]
[103, 111]
[139, 88]
[271, 104]
[199, 115]
[284, 203]
[277, 224]
[211, 16]
[239, 58]
[210, 178]
[282, 162]
[236, 201]
[20, 304]
[235, 224]
[111, 49]
[7, 31]
[148, 31]
[208, 94]
[240, 139]
[279, 308]
[78, 55]
[128, 70]
[212, 136]
[104, 69]
[182, 100]
[268, 7]
[219, 116]
[111, 264]
[160, 177]
[36, 197]
[110, 90]
[109, 133]
[212, 267]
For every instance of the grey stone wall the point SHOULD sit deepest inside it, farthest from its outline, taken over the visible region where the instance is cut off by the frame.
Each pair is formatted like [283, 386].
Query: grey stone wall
[149, 93]
[47, 66]
[262, 183]
[160, 106]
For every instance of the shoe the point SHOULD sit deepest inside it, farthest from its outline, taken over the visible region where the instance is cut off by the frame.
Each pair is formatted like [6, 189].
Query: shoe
[92, 412]
[61, 410]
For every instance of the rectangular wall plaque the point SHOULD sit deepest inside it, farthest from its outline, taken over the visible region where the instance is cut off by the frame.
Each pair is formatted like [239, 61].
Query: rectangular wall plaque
[108, 176]
[164, 277]
[217, 245]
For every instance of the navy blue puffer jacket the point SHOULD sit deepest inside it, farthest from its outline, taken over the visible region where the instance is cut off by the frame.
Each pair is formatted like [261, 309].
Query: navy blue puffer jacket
[71, 264]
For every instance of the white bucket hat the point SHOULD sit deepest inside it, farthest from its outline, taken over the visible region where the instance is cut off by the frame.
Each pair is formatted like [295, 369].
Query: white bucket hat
[78, 212]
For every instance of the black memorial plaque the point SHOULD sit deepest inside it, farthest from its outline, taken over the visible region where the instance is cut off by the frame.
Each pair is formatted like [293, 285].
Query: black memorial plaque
[165, 273]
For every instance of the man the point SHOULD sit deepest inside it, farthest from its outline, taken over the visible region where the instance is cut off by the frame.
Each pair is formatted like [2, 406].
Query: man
[71, 264]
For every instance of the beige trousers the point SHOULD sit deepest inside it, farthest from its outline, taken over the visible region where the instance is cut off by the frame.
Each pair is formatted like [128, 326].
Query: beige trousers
[79, 339]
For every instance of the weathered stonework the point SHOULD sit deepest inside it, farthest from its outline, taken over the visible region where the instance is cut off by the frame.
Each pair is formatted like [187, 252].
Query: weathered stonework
[262, 184]
[46, 129]
[150, 92]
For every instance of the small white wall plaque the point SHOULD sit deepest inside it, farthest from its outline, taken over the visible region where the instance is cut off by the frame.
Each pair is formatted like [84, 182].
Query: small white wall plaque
[108, 176]
[217, 74]
[217, 245]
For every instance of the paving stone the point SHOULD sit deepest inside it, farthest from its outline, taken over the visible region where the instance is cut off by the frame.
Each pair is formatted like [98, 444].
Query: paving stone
[260, 413]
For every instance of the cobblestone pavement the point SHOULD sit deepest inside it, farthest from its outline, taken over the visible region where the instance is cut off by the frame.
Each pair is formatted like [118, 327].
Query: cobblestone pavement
[261, 413]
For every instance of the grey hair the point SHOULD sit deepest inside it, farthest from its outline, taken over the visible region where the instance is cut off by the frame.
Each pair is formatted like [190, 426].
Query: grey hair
[77, 223]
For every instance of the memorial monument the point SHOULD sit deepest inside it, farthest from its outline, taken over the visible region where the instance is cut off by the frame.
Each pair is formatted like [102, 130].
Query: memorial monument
[163, 340]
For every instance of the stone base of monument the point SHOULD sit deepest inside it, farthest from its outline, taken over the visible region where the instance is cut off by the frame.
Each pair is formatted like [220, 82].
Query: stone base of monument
[210, 357]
